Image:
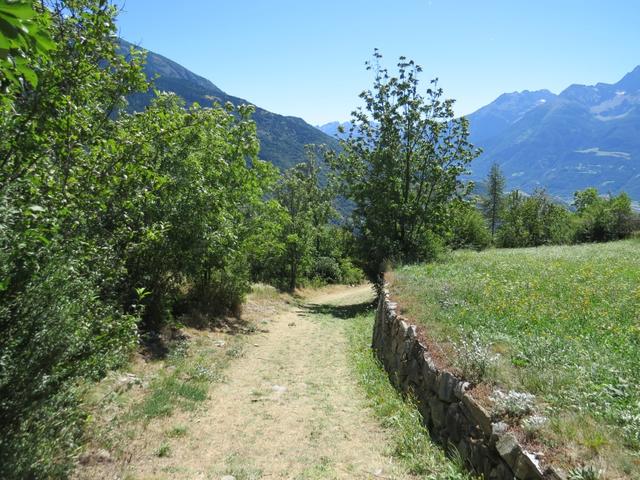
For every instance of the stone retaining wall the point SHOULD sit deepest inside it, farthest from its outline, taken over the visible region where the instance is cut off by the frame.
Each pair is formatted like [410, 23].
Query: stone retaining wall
[451, 414]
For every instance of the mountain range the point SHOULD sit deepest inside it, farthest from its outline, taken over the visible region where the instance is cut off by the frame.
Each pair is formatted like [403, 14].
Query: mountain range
[282, 138]
[585, 136]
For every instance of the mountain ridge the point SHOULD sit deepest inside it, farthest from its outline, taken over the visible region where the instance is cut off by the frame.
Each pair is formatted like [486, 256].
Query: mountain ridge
[586, 135]
[282, 138]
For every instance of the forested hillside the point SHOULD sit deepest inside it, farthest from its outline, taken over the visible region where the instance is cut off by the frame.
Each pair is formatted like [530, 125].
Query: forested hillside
[282, 138]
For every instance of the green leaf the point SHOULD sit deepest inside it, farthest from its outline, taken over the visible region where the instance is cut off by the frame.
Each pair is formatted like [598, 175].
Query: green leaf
[18, 10]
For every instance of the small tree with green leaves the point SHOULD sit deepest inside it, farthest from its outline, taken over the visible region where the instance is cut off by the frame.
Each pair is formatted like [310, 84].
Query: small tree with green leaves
[601, 219]
[401, 165]
[309, 209]
[531, 221]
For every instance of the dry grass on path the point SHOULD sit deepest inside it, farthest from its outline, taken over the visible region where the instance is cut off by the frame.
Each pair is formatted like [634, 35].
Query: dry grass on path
[288, 407]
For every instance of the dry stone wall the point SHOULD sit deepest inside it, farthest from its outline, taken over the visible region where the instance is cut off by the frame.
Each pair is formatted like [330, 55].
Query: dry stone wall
[450, 413]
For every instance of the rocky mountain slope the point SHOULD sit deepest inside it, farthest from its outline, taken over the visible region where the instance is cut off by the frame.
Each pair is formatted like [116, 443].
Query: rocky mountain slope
[585, 136]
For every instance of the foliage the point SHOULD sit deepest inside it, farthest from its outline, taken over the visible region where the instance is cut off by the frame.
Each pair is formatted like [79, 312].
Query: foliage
[57, 331]
[305, 241]
[585, 473]
[199, 220]
[493, 202]
[564, 319]
[513, 404]
[302, 198]
[108, 220]
[603, 218]
[61, 316]
[349, 273]
[23, 35]
[474, 359]
[467, 228]
[400, 166]
[531, 221]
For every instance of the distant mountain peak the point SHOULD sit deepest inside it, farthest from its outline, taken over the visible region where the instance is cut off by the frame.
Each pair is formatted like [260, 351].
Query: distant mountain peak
[157, 64]
[332, 129]
[631, 81]
[588, 135]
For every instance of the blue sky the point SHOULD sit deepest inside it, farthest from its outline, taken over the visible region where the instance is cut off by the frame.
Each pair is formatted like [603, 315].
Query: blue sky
[306, 58]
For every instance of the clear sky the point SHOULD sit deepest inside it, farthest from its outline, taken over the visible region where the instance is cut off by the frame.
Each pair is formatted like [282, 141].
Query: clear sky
[306, 58]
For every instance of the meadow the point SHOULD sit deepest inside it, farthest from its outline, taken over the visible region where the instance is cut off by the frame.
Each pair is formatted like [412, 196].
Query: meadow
[561, 323]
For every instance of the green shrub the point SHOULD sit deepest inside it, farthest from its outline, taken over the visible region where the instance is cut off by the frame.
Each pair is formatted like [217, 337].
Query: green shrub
[602, 219]
[469, 229]
[532, 221]
[328, 269]
[56, 332]
[349, 273]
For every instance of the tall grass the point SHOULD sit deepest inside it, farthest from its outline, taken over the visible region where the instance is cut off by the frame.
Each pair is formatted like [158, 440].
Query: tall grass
[565, 322]
[411, 443]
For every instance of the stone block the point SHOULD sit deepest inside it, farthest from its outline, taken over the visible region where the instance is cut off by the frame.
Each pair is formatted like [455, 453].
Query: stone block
[452, 423]
[527, 467]
[438, 412]
[501, 472]
[402, 329]
[497, 430]
[509, 449]
[478, 454]
[477, 414]
[414, 373]
[464, 450]
[446, 386]
[460, 390]
[429, 373]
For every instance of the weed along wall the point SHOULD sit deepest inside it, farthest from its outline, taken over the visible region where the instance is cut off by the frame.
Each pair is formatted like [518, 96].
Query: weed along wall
[450, 413]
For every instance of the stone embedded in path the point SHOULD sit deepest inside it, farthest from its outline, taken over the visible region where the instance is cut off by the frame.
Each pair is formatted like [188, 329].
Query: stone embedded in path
[279, 389]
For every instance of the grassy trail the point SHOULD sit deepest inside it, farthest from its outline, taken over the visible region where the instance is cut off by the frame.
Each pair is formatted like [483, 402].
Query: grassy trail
[292, 406]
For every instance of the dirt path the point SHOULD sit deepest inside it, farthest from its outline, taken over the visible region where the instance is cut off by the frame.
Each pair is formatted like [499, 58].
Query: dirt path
[290, 409]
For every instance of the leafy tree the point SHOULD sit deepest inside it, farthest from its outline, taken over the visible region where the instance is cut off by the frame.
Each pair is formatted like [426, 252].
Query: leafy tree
[587, 198]
[400, 166]
[533, 221]
[309, 209]
[492, 204]
[208, 186]
[601, 219]
[60, 309]
[468, 228]
[23, 37]
[103, 215]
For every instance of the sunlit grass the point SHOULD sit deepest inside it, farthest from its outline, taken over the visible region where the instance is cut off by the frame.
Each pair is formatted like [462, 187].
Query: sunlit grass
[565, 321]
[411, 442]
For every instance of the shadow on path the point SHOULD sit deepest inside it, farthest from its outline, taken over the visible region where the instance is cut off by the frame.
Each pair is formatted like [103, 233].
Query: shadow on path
[344, 312]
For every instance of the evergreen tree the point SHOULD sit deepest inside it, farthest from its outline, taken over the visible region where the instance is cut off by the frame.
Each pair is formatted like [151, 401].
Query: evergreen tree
[493, 202]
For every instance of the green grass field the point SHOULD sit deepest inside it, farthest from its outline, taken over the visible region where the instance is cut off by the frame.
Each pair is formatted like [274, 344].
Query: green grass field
[562, 323]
